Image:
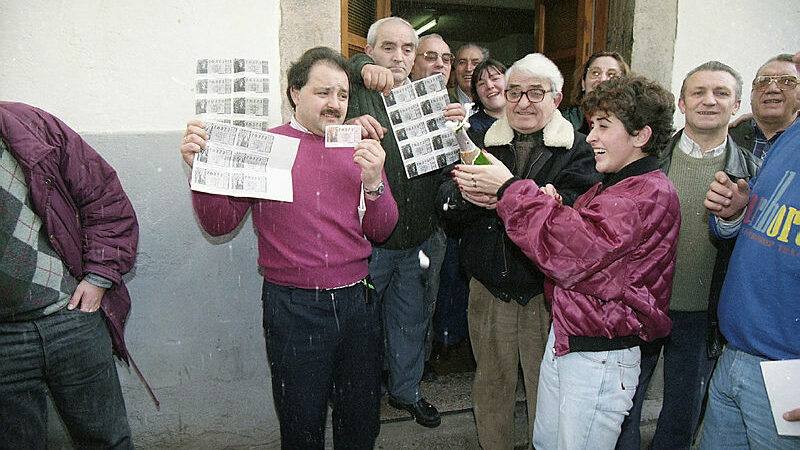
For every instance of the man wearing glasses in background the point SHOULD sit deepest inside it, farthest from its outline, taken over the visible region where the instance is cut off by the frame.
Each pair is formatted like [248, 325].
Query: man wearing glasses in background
[433, 57]
[774, 101]
[508, 320]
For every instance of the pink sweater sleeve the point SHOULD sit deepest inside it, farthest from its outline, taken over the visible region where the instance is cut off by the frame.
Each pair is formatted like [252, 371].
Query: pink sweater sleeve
[219, 214]
[381, 216]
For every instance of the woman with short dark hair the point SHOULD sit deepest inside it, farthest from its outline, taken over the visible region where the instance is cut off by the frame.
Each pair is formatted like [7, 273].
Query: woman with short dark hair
[608, 262]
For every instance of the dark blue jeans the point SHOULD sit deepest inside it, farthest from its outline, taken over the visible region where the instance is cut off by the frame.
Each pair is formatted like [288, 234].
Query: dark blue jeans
[687, 370]
[401, 283]
[324, 344]
[69, 353]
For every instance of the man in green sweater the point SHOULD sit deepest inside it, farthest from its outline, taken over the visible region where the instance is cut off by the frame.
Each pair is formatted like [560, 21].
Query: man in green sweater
[710, 95]
[400, 266]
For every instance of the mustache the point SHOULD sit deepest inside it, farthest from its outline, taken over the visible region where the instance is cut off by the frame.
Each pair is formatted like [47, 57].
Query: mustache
[331, 111]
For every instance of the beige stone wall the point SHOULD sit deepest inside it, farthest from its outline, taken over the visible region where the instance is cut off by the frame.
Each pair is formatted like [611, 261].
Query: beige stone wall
[654, 30]
[305, 24]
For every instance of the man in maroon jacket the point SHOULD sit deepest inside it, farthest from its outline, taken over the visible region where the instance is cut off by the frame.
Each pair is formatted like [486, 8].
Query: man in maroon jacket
[68, 233]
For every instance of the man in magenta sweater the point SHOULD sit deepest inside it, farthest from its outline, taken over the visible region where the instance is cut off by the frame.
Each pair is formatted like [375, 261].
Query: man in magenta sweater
[322, 325]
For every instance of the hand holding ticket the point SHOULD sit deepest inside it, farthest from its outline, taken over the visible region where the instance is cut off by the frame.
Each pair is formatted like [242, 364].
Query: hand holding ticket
[342, 135]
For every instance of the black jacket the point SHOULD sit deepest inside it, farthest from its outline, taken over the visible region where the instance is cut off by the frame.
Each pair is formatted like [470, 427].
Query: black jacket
[744, 134]
[564, 160]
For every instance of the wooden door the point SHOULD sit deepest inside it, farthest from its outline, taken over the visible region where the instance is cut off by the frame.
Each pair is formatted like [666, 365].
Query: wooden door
[569, 31]
[357, 16]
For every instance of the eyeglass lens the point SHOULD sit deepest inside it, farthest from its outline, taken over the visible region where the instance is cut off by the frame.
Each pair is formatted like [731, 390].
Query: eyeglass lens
[784, 82]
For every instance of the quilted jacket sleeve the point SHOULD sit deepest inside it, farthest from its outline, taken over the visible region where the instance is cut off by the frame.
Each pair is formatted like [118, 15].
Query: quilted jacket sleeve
[570, 245]
[109, 230]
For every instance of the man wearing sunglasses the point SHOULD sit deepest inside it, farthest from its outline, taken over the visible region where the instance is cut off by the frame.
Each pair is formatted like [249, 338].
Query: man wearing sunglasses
[774, 101]
[758, 307]
[507, 318]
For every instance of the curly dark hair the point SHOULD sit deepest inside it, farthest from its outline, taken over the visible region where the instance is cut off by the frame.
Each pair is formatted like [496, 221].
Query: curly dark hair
[297, 76]
[637, 102]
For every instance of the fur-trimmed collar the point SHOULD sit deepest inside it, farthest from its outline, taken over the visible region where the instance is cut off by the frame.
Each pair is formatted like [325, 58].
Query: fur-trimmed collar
[557, 133]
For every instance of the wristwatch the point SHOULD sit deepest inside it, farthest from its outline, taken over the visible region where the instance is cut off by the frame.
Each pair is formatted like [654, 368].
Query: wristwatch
[377, 192]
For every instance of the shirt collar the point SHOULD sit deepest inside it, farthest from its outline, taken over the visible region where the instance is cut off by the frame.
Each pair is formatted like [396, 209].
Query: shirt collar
[462, 96]
[296, 125]
[691, 148]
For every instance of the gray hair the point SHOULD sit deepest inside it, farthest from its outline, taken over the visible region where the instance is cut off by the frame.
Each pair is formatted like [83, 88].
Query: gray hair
[372, 34]
[783, 57]
[714, 66]
[539, 66]
[432, 35]
[484, 51]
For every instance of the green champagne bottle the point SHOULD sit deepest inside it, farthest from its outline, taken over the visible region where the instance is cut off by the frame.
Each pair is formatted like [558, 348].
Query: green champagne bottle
[469, 152]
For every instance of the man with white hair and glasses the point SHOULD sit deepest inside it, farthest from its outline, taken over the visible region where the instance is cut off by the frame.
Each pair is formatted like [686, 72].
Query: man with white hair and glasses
[508, 320]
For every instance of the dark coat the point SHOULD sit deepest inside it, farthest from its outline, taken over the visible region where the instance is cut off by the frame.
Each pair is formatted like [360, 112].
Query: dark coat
[744, 134]
[486, 253]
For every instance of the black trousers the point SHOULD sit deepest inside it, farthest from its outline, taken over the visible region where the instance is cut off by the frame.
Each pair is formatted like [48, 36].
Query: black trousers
[324, 344]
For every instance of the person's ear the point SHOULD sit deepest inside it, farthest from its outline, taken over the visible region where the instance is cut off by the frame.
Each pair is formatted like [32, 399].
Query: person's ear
[557, 98]
[736, 107]
[642, 137]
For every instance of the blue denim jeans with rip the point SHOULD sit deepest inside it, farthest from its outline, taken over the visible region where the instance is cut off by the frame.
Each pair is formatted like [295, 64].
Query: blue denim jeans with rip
[69, 354]
[583, 397]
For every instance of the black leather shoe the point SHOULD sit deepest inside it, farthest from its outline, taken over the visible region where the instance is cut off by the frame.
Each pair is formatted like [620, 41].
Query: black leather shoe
[424, 413]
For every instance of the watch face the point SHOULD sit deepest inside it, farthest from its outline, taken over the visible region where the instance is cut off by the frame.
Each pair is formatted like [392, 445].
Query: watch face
[377, 191]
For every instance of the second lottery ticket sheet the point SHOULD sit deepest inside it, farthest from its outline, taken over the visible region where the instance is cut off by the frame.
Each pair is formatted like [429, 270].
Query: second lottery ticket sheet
[416, 112]
[233, 91]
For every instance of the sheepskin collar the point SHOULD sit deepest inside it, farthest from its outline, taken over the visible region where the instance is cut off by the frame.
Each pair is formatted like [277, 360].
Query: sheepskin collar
[557, 133]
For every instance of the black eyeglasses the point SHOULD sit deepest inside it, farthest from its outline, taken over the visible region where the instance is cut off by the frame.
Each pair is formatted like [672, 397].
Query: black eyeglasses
[432, 56]
[784, 82]
[535, 95]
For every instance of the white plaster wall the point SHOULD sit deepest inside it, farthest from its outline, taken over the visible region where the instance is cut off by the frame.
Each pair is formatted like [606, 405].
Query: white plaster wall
[111, 66]
[740, 33]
